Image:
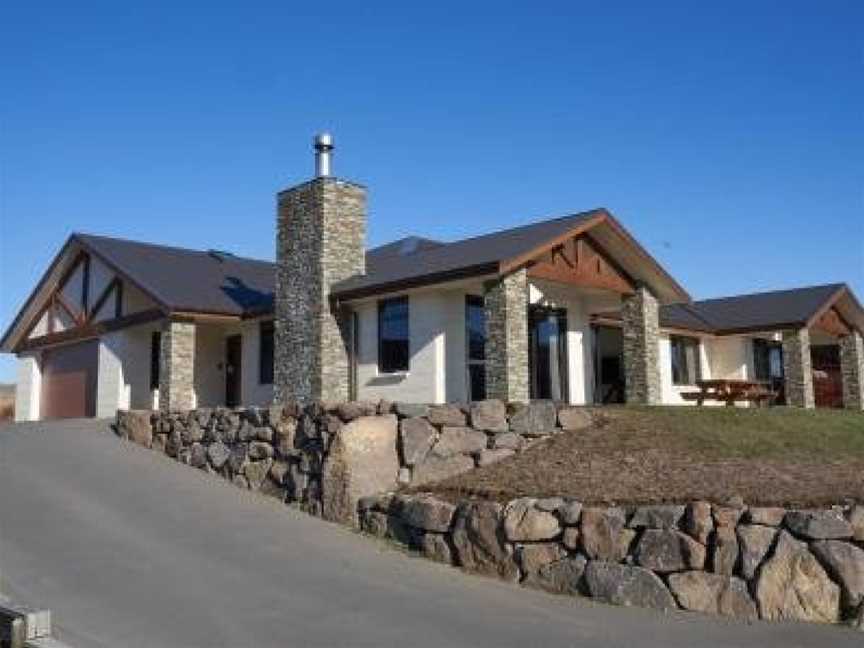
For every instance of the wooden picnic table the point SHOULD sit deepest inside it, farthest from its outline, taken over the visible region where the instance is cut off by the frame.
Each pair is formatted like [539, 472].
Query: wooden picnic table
[731, 391]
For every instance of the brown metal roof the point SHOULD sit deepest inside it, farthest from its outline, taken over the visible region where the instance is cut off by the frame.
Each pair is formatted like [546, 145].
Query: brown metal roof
[189, 280]
[758, 311]
[767, 311]
[386, 268]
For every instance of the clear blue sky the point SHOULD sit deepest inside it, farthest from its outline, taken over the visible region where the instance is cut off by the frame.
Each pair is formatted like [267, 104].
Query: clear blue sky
[728, 139]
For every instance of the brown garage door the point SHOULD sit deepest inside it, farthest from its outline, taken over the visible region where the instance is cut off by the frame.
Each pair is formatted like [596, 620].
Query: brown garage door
[69, 380]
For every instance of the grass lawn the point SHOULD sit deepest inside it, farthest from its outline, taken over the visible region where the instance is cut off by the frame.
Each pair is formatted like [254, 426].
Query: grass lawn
[776, 456]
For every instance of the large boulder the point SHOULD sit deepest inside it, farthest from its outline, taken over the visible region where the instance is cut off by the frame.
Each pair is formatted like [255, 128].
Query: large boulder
[435, 469]
[532, 557]
[448, 415]
[856, 521]
[698, 521]
[603, 533]
[659, 516]
[458, 440]
[766, 515]
[507, 441]
[416, 437]
[135, 425]
[664, 550]
[523, 522]
[626, 585]
[256, 472]
[362, 461]
[478, 537]
[724, 550]
[574, 418]
[426, 512]
[537, 418]
[563, 576]
[755, 540]
[845, 562]
[489, 416]
[218, 454]
[818, 525]
[792, 585]
[713, 593]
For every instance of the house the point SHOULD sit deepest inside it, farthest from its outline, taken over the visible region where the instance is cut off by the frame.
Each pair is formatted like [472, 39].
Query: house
[571, 309]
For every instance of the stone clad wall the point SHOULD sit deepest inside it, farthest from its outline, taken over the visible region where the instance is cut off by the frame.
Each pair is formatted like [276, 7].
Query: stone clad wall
[641, 332]
[320, 239]
[852, 368]
[301, 454]
[176, 366]
[732, 560]
[506, 304]
[798, 369]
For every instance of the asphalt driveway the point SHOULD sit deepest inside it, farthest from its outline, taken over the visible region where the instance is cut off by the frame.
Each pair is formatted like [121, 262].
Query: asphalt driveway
[130, 549]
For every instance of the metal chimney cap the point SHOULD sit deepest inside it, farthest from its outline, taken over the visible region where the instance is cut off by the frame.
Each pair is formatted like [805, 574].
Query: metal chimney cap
[323, 141]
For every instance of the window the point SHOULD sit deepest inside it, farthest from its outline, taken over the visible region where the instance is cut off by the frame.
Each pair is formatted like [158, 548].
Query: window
[155, 351]
[393, 335]
[685, 360]
[767, 360]
[265, 353]
[475, 343]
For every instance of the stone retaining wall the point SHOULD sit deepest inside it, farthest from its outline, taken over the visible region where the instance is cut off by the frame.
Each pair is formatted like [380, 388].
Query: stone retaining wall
[321, 456]
[345, 462]
[747, 563]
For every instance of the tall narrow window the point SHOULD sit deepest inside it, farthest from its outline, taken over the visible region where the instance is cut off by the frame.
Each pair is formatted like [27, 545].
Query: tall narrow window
[767, 360]
[475, 343]
[684, 352]
[393, 335]
[155, 352]
[265, 353]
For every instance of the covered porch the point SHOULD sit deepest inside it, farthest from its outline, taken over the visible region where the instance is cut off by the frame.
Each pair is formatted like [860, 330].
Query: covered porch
[210, 362]
[541, 342]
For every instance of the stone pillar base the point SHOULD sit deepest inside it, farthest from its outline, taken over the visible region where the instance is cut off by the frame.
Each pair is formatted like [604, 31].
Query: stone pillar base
[798, 369]
[506, 305]
[177, 367]
[641, 330]
[852, 368]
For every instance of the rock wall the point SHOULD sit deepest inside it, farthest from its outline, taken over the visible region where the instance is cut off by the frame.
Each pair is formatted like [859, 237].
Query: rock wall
[325, 457]
[747, 563]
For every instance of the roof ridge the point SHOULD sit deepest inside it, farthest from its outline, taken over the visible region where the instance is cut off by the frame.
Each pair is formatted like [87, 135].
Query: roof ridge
[544, 221]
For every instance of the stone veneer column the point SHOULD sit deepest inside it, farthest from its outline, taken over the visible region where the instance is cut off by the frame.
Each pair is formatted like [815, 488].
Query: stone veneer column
[506, 305]
[852, 369]
[320, 239]
[641, 331]
[177, 366]
[798, 368]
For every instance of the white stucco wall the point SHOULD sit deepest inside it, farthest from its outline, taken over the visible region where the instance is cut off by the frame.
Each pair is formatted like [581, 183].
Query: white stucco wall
[671, 394]
[437, 369]
[74, 287]
[124, 371]
[253, 392]
[28, 388]
[424, 382]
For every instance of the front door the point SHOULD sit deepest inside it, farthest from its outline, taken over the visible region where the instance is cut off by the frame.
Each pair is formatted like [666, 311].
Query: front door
[547, 330]
[233, 375]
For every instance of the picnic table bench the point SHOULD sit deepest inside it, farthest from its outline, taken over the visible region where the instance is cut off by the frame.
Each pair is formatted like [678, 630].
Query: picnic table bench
[731, 391]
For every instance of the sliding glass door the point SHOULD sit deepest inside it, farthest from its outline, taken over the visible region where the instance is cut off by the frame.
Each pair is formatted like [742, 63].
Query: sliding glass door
[547, 330]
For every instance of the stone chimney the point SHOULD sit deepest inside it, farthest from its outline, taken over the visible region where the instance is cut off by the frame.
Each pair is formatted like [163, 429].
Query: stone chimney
[320, 240]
